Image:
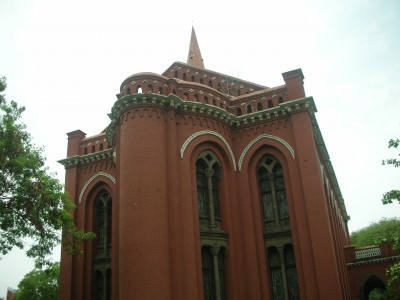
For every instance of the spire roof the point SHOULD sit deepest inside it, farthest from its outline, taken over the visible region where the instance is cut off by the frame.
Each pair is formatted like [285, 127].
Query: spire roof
[194, 56]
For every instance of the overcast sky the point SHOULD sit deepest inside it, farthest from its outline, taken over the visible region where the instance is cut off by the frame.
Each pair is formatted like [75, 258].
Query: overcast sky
[65, 61]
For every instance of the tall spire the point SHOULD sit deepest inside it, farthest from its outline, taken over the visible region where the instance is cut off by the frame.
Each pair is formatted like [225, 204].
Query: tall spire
[194, 56]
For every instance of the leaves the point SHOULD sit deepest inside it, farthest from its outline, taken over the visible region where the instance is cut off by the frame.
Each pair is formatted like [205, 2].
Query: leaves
[386, 230]
[32, 201]
[40, 284]
[393, 272]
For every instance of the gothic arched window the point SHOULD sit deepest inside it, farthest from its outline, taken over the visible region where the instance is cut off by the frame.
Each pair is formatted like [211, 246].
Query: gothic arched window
[277, 232]
[272, 188]
[208, 175]
[102, 226]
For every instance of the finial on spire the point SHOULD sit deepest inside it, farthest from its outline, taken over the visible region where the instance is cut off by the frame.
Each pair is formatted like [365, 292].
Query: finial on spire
[194, 57]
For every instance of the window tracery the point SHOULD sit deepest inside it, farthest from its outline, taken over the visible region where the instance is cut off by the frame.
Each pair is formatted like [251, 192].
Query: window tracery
[213, 238]
[277, 232]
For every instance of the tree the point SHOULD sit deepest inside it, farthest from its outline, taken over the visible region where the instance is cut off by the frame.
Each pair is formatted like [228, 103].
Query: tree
[393, 272]
[32, 202]
[393, 195]
[376, 233]
[40, 284]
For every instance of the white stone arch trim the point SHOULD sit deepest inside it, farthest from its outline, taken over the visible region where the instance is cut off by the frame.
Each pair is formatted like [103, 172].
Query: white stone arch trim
[91, 180]
[210, 132]
[262, 136]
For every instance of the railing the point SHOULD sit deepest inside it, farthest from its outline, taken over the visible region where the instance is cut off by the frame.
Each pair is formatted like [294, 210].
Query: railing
[367, 253]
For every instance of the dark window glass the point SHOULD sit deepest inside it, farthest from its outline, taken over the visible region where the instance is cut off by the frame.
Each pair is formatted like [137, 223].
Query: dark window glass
[276, 274]
[291, 274]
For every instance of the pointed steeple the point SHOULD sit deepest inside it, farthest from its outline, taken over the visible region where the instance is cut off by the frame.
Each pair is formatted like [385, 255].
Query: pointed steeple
[194, 56]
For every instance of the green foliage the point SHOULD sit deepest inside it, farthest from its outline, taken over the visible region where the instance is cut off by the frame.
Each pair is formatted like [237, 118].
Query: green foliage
[377, 294]
[393, 195]
[393, 283]
[393, 272]
[386, 230]
[32, 202]
[40, 284]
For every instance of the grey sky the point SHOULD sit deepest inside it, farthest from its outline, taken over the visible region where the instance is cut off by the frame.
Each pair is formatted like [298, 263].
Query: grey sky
[65, 61]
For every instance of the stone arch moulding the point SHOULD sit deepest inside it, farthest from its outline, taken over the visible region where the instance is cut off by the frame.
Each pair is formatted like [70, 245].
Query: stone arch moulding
[210, 132]
[266, 136]
[91, 180]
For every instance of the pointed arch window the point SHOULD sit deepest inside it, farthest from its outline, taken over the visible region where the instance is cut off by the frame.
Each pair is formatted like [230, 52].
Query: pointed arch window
[277, 232]
[272, 188]
[208, 178]
[102, 224]
[208, 175]
[101, 265]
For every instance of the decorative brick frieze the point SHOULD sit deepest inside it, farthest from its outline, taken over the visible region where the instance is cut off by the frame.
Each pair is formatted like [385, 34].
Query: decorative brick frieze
[182, 107]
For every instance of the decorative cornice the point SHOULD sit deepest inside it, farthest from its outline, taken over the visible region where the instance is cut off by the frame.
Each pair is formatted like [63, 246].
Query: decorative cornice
[373, 261]
[319, 140]
[174, 102]
[76, 160]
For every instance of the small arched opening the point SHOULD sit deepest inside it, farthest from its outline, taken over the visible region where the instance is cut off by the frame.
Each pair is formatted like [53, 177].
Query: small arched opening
[373, 287]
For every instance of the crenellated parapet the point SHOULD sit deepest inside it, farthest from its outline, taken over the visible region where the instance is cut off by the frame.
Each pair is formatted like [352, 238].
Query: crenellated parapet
[214, 91]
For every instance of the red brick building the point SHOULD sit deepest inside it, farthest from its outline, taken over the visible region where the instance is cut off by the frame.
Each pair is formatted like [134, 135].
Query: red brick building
[206, 186]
